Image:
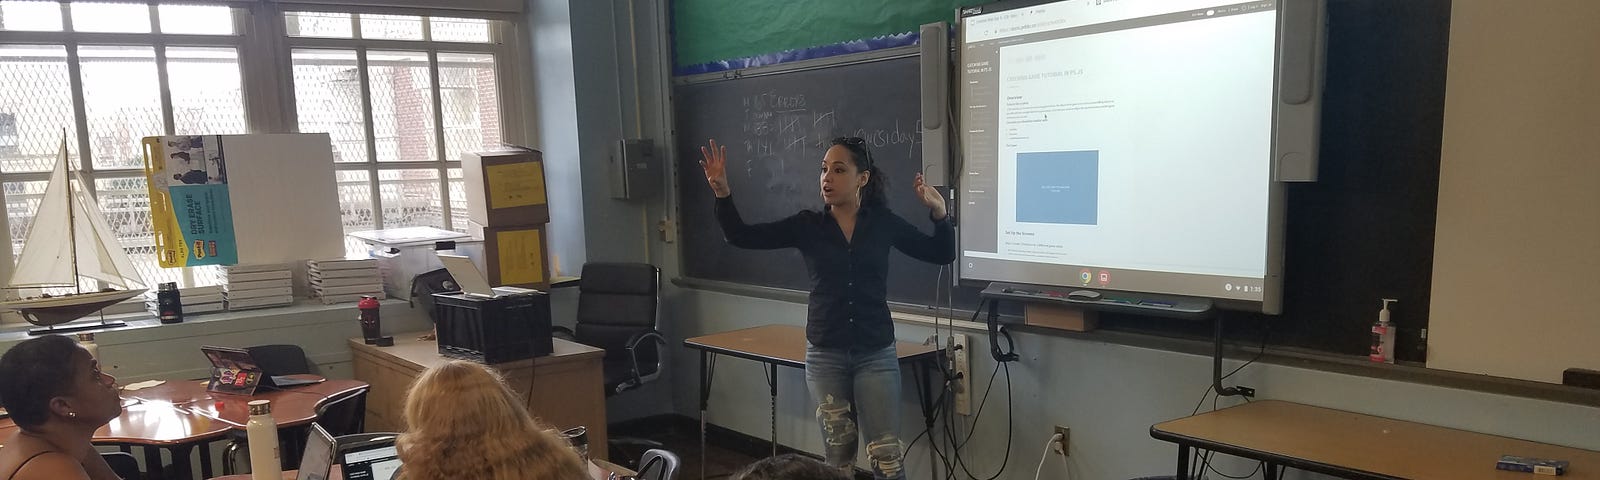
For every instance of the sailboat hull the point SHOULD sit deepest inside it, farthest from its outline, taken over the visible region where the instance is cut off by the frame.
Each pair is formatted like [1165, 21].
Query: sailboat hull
[58, 310]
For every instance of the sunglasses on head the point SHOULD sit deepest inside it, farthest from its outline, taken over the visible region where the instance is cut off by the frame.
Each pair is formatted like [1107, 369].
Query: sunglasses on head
[852, 141]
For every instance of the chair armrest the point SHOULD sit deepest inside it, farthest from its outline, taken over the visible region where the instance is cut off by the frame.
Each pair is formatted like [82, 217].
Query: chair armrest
[564, 332]
[633, 351]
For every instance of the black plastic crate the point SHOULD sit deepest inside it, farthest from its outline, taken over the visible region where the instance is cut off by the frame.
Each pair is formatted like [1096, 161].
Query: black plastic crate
[493, 330]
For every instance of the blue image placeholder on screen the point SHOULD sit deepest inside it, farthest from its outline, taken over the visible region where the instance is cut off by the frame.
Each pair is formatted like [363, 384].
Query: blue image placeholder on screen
[1058, 187]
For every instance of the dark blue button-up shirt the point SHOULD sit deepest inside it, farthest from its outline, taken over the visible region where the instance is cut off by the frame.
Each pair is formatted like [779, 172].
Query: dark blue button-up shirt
[849, 278]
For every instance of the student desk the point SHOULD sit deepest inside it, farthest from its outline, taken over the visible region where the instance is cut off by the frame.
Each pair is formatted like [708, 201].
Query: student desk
[1352, 445]
[565, 388]
[785, 345]
[180, 414]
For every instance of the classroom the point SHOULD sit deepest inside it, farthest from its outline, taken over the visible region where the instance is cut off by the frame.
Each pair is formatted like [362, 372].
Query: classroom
[1049, 239]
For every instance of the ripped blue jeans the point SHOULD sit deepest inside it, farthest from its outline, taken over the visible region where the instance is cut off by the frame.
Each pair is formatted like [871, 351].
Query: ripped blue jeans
[858, 397]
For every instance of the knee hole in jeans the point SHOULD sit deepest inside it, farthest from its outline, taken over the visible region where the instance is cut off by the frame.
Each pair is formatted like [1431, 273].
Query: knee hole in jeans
[836, 421]
[886, 454]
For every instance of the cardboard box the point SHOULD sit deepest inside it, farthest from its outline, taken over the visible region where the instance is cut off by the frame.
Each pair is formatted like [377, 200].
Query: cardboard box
[517, 256]
[1065, 318]
[505, 188]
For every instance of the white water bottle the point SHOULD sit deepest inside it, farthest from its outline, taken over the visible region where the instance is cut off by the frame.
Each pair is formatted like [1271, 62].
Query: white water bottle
[263, 437]
[87, 341]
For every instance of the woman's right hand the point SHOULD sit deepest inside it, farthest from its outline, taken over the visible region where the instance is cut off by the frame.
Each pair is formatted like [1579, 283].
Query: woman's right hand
[715, 164]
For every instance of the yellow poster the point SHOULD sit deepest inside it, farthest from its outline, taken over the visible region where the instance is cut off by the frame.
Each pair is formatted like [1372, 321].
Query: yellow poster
[521, 257]
[515, 185]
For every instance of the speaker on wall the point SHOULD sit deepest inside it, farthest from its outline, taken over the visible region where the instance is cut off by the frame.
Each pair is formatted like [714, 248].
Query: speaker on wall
[935, 60]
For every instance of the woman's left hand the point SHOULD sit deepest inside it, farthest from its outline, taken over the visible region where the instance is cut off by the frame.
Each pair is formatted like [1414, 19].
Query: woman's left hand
[931, 198]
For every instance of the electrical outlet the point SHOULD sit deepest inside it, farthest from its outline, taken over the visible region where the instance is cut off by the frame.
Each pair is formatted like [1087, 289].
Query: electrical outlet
[668, 230]
[1060, 446]
[961, 363]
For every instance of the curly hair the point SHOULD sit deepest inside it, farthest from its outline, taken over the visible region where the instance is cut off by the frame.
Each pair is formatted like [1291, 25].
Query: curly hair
[466, 423]
[33, 372]
[790, 467]
[874, 192]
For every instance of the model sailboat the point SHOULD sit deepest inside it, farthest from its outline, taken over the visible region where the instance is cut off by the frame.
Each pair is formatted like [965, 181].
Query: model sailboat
[70, 239]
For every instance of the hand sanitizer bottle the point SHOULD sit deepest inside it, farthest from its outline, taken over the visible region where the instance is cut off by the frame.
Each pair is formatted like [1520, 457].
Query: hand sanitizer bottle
[1383, 336]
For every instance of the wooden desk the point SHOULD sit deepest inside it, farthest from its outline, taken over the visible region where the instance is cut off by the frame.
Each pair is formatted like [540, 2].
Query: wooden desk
[1352, 445]
[568, 386]
[785, 345]
[180, 414]
[598, 470]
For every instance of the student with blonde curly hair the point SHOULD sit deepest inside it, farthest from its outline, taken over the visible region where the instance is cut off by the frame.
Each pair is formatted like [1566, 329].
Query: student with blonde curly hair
[464, 422]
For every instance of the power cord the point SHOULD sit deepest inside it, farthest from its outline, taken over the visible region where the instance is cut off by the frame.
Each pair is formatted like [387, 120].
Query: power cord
[1010, 426]
[1038, 471]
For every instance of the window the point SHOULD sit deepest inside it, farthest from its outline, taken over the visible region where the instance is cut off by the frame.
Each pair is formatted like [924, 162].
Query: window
[97, 72]
[401, 96]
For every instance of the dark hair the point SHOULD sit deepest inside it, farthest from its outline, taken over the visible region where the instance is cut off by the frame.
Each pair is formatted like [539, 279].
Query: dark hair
[875, 192]
[790, 467]
[32, 373]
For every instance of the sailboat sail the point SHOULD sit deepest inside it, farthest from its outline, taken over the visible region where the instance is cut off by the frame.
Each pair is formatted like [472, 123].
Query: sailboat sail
[100, 253]
[46, 258]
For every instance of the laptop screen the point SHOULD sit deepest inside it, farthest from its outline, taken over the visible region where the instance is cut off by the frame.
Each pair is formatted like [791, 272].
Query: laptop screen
[317, 458]
[467, 275]
[374, 460]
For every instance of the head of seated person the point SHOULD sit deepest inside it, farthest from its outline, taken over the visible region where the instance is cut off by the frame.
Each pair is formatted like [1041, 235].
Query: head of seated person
[465, 422]
[57, 395]
[791, 467]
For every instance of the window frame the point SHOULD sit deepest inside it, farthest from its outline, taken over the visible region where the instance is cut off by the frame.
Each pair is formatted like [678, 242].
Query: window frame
[158, 41]
[501, 45]
[267, 87]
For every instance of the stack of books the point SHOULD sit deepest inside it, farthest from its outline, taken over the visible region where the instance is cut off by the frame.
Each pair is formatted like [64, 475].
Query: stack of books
[345, 280]
[258, 286]
[195, 300]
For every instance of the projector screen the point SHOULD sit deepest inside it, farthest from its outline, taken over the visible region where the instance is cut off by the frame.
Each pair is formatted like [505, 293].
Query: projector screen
[1124, 145]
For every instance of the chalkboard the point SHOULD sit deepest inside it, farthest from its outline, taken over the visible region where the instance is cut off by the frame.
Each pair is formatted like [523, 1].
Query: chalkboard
[777, 128]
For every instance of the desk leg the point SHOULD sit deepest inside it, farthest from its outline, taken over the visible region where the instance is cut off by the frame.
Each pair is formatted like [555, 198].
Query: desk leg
[772, 385]
[705, 400]
[205, 460]
[180, 462]
[1183, 462]
[1272, 471]
[152, 462]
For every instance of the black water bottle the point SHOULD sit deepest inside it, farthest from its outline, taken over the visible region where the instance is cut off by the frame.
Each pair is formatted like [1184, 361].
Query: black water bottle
[168, 303]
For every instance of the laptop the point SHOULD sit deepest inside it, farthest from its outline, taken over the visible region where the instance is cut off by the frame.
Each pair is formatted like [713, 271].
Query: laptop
[472, 281]
[235, 370]
[317, 458]
[370, 459]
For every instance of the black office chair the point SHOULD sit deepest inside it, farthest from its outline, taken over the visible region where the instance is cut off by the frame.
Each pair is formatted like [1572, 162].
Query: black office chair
[341, 441]
[618, 311]
[341, 416]
[124, 465]
[658, 464]
[280, 359]
[345, 414]
[619, 308]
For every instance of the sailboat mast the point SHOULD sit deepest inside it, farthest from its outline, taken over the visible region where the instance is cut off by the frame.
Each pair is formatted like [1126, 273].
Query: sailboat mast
[72, 226]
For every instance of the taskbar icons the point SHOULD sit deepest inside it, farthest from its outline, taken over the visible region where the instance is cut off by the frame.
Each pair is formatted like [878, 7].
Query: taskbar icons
[1231, 287]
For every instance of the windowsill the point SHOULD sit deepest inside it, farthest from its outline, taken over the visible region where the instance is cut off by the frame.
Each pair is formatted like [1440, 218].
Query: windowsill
[1411, 372]
[142, 325]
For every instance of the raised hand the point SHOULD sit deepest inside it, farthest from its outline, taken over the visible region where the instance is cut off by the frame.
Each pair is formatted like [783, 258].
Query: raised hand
[715, 165]
[930, 197]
